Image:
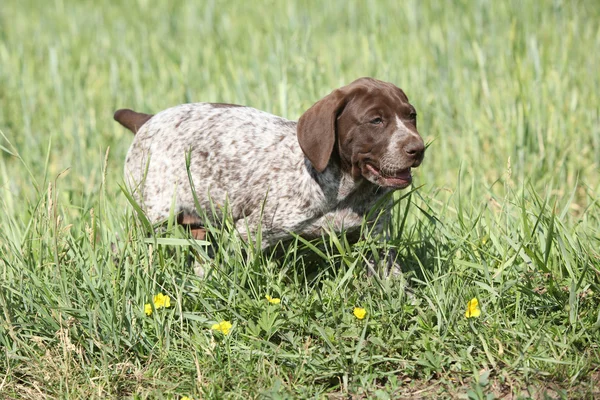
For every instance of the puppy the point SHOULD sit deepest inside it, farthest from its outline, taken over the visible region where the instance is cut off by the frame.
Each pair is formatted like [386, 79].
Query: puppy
[324, 172]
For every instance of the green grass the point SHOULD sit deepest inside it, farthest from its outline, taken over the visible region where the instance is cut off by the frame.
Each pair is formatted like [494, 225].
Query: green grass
[507, 208]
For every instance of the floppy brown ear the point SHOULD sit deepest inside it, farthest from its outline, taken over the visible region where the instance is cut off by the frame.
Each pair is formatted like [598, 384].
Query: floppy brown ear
[316, 129]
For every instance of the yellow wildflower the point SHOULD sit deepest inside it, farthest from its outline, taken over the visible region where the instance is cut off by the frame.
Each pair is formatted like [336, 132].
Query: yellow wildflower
[160, 300]
[224, 327]
[273, 300]
[473, 310]
[185, 398]
[359, 312]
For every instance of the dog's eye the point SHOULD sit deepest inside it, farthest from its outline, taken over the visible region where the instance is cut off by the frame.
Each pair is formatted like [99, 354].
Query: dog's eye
[376, 121]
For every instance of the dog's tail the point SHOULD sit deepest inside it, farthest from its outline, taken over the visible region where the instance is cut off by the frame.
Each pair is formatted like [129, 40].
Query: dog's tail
[131, 120]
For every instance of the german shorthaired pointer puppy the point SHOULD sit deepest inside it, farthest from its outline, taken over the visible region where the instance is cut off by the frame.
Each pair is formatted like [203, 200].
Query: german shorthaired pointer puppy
[324, 172]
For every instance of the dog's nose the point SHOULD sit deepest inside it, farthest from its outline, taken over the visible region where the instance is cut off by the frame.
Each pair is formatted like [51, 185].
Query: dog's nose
[415, 150]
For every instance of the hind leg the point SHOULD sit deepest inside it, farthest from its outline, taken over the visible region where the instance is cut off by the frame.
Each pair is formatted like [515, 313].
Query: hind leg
[193, 224]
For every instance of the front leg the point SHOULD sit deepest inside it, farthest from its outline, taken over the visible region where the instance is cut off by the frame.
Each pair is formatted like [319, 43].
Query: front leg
[384, 262]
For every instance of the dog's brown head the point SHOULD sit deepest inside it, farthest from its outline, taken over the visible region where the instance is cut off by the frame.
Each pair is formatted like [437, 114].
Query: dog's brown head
[369, 127]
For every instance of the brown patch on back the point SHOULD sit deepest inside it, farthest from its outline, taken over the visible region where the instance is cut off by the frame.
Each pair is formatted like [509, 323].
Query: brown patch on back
[131, 120]
[224, 105]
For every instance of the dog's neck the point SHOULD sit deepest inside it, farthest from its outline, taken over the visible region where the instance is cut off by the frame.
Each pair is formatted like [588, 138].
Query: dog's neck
[336, 184]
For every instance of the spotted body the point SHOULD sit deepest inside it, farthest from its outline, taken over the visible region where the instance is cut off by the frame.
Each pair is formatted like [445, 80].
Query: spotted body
[322, 173]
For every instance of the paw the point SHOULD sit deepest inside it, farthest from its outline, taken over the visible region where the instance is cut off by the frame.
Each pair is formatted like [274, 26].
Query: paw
[386, 267]
[392, 269]
[199, 265]
[199, 269]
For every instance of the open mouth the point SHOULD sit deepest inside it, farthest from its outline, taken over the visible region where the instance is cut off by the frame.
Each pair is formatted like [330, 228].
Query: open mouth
[399, 179]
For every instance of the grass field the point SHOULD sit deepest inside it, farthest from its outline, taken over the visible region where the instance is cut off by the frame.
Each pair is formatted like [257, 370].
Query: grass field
[506, 207]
